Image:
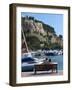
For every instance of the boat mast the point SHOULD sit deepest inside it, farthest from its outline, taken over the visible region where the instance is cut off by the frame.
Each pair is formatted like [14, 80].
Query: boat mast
[24, 40]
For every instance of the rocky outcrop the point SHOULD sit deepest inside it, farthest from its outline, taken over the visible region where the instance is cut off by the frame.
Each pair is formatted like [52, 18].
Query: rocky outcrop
[44, 33]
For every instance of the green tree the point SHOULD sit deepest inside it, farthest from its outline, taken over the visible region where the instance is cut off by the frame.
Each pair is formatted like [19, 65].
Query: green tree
[33, 42]
[60, 36]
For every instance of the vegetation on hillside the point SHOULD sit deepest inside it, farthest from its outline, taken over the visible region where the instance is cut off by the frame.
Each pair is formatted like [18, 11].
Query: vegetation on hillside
[37, 39]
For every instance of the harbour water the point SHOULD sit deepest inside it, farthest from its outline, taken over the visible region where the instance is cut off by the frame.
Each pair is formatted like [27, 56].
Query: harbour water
[59, 60]
[39, 57]
[56, 58]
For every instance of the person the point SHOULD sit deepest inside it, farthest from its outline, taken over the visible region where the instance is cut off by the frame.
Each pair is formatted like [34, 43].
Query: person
[45, 61]
[49, 60]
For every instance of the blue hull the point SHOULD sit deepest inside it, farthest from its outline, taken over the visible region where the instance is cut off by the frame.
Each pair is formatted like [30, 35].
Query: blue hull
[27, 68]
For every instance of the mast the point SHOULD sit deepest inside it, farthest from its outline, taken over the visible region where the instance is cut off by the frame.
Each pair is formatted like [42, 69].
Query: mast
[24, 41]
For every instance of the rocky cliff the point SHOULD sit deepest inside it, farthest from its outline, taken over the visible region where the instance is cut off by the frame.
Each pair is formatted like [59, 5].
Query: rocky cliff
[40, 35]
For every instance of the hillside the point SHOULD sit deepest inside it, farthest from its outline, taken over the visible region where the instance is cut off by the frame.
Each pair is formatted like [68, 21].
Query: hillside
[40, 35]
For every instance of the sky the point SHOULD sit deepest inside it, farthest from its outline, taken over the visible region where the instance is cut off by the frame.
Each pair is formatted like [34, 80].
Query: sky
[54, 20]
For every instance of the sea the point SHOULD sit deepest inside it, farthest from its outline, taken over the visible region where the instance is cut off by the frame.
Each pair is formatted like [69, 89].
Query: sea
[56, 58]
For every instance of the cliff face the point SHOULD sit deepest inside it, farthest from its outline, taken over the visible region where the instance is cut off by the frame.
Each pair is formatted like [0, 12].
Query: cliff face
[31, 25]
[42, 35]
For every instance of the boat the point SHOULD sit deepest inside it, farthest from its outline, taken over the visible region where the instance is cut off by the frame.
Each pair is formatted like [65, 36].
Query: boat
[60, 52]
[28, 61]
[50, 53]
